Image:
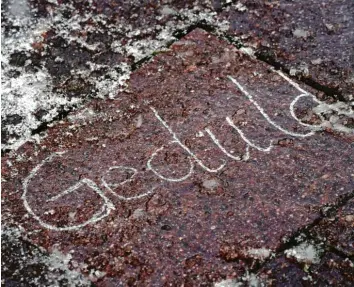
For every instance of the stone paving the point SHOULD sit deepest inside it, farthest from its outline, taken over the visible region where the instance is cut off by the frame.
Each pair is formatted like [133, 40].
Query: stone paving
[212, 166]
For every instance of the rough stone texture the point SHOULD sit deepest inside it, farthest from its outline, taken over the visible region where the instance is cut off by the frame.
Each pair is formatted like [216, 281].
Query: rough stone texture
[338, 231]
[314, 38]
[200, 229]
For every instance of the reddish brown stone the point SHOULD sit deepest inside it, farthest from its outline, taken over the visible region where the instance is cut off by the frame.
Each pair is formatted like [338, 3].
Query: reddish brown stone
[160, 231]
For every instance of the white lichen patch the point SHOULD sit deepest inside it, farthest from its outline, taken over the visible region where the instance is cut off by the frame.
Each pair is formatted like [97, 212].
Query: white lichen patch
[301, 33]
[301, 70]
[249, 279]
[259, 253]
[29, 92]
[305, 252]
[22, 97]
[211, 184]
[228, 283]
[240, 7]
[248, 51]
[112, 82]
[82, 116]
[334, 116]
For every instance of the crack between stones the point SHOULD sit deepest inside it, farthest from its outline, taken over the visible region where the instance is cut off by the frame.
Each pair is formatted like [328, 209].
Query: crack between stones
[262, 56]
[62, 114]
[293, 240]
[332, 209]
[333, 93]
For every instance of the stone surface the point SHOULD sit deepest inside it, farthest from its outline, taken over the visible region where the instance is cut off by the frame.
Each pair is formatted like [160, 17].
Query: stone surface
[156, 185]
[338, 231]
[313, 39]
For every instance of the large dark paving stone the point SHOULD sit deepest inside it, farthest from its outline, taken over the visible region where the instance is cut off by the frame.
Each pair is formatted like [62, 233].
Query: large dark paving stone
[24, 264]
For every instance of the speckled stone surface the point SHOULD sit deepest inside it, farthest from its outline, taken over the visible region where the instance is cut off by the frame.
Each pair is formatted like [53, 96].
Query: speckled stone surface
[314, 38]
[136, 182]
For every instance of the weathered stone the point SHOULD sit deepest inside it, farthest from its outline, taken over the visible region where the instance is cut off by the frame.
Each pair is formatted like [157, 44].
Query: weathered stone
[181, 124]
[104, 33]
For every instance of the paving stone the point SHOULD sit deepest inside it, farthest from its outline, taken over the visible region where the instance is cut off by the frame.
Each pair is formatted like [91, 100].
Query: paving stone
[187, 177]
[310, 38]
[338, 231]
